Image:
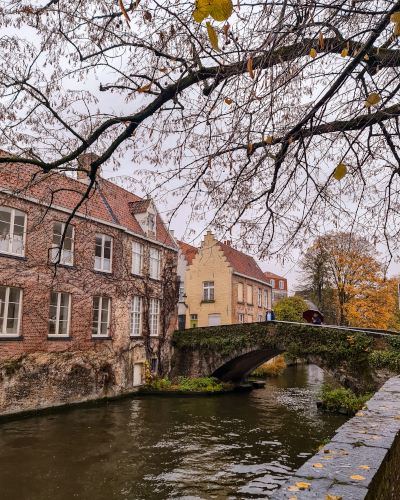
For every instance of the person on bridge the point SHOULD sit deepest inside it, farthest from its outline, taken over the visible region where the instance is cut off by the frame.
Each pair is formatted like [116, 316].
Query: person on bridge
[270, 315]
[316, 319]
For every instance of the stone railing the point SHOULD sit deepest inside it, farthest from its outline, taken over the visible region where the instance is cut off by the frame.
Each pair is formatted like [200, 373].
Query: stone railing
[362, 462]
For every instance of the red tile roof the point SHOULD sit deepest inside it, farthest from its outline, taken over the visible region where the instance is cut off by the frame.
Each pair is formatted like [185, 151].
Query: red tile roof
[272, 275]
[242, 263]
[277, 278]
[107, 202]
[188, 251]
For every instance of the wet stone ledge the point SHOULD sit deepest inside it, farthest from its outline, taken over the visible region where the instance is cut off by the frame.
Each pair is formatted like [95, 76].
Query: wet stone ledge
[372, 439]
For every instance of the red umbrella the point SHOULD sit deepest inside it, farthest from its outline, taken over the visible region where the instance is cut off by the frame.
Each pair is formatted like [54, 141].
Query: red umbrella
[307, 315]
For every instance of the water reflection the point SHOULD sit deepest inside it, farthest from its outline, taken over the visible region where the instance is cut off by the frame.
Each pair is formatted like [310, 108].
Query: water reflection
[237, 446]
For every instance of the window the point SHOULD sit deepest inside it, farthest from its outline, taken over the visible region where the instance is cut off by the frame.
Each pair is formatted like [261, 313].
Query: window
[150, 222]
[240, 318]
[193, 316]
[154, 263]
[59, 313]
[10, 300]
[101, 313]
[260, 318]
[208, 290]
[136, 316]
[154, 315]
[249, 294]
[259, 297]
[272, 283]
[12, 231]
[265, 298]
[214, 320]
[281, 284]
[137, 258]
[102, 259]
[193, 321]
[240, 292]
[154, 363]
[249, 318]
[181, 293]
[67, 249]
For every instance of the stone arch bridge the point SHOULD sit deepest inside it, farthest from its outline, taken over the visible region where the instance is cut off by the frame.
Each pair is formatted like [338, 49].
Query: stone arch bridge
[360, 359]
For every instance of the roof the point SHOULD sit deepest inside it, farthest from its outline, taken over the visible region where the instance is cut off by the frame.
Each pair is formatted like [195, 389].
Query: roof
[107, 202]
[274, 276]
[139, 207]
[243, 264]
[188, 251]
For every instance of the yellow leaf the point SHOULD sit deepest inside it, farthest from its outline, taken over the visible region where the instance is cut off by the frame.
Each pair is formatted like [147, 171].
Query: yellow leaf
[395, 17]
[250, 68]
[359, 414]
[212, 35]
[321, 41]
[344, 452]
[313, 53]
[366, 57]
[373, 98]
[340, 172]
[355, 53]
[290, 139]
[397, 29]
[330, 497]
[228, 101]
[303, 486]
[124, 11]
[361, 432]
[358, 478]
[146, 87]
[364, 467]
[317, 465]
[328, 458]
[367, 104]
[293, 488]
[376, 437]
[344, 53]
[221, 10]
[269, 139]
[163, 70]
[203, 8]
[250, 147]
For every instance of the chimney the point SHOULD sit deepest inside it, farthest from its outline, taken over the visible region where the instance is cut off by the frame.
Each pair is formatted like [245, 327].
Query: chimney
[172, 233]
[84, 162]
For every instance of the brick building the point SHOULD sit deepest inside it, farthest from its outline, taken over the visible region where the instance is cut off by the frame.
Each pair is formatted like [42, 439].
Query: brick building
[224, 286]
[83, 327]
[186, 254]
[279, 285]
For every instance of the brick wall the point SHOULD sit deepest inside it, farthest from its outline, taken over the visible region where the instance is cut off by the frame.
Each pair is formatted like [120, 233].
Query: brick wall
[245, 308]
[33, 352]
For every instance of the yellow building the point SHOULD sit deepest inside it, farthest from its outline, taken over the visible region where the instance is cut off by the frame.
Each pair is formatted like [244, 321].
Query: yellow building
[224, 286]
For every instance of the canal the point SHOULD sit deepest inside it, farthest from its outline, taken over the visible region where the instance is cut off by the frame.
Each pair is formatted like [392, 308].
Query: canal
[235, 446]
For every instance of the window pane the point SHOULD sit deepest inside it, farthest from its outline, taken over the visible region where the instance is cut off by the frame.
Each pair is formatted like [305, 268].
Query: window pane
[104, 310]
[97, 262]
[63, 318]
[13, 311]
[107, 247]
[96, 305]
[98, 245]
[106, 265]
[57, 232]
[19, 223]
[53, 313]
[5, 221]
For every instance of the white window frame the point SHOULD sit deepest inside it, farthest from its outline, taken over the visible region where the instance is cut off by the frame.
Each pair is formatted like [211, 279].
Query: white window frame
[259, 297]
[137, 258]
[54, 249]
[154, 316]
[260, 318]
[136, 314]
[265, 298]
[240, 319]
[3, 331]
[210, 289]
[99, 316]
[102, 253]
[272, 283]
[181, 292]
[11, 233]
[281, 285]
[57, 335]
[152, 260]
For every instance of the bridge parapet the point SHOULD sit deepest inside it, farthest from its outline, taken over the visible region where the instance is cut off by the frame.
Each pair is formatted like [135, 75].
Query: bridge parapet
[360, 360]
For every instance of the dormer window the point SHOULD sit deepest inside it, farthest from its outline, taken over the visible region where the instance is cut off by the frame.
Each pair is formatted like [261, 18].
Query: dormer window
[150, 222]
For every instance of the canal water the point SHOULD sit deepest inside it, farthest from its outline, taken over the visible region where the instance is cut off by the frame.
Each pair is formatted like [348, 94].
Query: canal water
[234, 446]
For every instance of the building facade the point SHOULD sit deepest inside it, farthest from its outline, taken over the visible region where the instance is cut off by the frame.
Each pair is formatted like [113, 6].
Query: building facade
[279, 285]
[83, 306]
[186, 254]
[224, 286]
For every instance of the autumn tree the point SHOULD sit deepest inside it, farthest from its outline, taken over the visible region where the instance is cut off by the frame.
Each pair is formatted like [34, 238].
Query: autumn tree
[361, 294]
[247, 114]
[290, 309]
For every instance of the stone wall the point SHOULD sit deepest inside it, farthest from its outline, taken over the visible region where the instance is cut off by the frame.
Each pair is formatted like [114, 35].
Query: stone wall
[372, 439]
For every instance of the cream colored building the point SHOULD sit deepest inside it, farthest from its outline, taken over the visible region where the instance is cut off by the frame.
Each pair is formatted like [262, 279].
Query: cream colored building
[224, 286]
